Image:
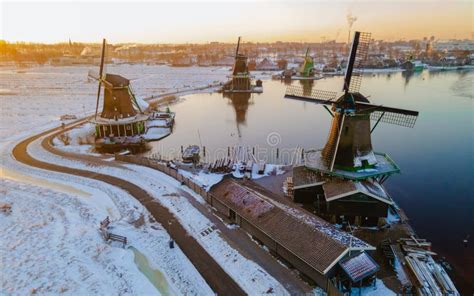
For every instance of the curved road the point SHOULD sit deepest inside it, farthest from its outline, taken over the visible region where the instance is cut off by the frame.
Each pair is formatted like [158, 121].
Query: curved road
[219, 281]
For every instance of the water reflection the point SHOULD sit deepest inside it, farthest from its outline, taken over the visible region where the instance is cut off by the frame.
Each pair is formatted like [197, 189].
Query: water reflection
[307, 86]
[240, 102]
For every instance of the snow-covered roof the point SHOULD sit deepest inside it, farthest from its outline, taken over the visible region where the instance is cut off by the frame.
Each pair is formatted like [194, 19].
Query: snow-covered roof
[303, 177]
[338, 188]
[310, 238]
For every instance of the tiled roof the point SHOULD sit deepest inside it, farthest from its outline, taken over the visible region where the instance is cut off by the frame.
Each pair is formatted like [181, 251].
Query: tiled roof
[313, 240]
[359, 266]
[303, 177]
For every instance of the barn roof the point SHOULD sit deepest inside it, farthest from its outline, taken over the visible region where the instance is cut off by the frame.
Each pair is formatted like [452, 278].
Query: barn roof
[339, 188]
[304, 177]
[310, 238]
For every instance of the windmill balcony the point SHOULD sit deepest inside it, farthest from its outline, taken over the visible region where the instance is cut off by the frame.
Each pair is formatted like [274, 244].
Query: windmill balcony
[384, 166]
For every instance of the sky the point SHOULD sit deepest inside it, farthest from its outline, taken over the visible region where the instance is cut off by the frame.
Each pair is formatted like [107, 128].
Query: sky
[202, 22]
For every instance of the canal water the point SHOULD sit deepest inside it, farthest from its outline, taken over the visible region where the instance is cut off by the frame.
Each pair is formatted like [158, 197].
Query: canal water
[435, 187]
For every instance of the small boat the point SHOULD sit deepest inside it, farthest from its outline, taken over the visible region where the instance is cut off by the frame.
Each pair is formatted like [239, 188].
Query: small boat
[191, 154]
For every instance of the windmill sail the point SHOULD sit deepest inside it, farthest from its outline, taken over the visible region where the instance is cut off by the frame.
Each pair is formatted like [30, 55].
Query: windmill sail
[391, 115]
[100, 76]
[329, 152]
[238, 46]
[314, 95]
[357, 57]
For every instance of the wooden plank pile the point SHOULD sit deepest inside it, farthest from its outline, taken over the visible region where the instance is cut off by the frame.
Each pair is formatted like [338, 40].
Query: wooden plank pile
[104, 229]
[431, 278]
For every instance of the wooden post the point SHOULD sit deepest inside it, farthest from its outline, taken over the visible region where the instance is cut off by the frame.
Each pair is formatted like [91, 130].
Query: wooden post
[228, 151]
[182, 150]
[278, 153]
[204, 151]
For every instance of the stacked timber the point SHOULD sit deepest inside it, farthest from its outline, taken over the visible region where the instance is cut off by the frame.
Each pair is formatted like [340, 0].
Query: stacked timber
[430, 277]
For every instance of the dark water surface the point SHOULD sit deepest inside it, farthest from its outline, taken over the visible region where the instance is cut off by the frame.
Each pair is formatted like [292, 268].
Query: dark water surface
[436, 156]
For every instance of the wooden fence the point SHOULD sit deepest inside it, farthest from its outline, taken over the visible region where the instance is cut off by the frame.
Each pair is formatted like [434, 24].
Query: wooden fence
[170, 171]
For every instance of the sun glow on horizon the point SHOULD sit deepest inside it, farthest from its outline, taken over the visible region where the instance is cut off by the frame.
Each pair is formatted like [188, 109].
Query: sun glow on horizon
[165, 22]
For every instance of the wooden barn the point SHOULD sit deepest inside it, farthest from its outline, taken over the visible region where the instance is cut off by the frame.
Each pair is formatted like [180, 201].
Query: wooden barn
[363, 202]
[308, 243]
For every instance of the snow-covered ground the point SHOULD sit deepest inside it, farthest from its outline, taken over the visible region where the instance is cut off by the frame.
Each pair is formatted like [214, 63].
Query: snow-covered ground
[55, 247]
[378, 289]
[166, 190]
[77, 140]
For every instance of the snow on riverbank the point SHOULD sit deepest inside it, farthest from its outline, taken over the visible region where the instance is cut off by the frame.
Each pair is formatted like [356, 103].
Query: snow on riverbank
[166, 190]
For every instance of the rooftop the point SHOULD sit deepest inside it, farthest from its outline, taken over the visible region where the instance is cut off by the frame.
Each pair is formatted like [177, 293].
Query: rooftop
[359, 266]
[313, 240]
[338, 188]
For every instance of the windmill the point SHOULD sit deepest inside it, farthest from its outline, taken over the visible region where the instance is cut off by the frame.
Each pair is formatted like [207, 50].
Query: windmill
[240, 78]
[121, 119]
[348, 152]
[307, 68]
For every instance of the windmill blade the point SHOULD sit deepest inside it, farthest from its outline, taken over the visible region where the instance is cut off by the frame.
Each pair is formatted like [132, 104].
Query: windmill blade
[238, 46]
[314, 95]
[397, 116]
[357, 57]
[330, 149]
[100, 76]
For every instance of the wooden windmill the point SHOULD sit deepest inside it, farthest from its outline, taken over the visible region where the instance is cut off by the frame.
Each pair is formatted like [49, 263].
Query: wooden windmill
[240, 72]
[345, 178]
[349, 145]
[307, 68]
[121, 117]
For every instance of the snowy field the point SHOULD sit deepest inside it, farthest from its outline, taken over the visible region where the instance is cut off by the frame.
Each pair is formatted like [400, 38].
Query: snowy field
[40, 95]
